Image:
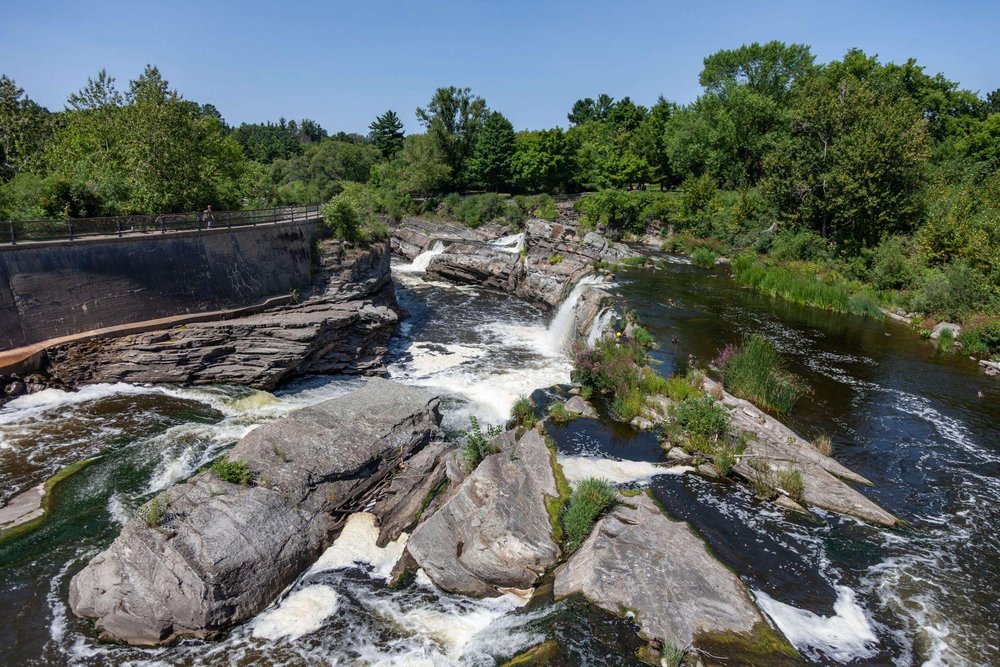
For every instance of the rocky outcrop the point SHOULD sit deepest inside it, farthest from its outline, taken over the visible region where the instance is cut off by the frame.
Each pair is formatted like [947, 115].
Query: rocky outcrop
[555, 257]
[495, 533]
[639, 560]
[412, 489]
[207, 554]
[341, 325]
[774, 448]
[415, 235]
[578, 405]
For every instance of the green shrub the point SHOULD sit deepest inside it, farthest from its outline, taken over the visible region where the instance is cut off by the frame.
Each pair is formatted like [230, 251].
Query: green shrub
[701, 419]
[478, 445]
[235, 472]
[981, 337]
[523, 412]
[697, 196]
[555, 259]
[559, 414]
[703, 257]
[754, 371]
[951, 292]
[677, 388]
[802, 245]
[894, 264]
[617, 209]
[590, 498]
[349, 217]
[638, 260]
[643, 337]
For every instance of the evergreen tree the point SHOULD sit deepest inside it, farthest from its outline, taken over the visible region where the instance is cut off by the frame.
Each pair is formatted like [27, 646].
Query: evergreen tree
[387, 134]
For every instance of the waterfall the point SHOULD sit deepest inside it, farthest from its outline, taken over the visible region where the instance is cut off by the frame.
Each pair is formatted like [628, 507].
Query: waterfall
[599, 326]
[423, 260]
[513, 243]
[560, 331]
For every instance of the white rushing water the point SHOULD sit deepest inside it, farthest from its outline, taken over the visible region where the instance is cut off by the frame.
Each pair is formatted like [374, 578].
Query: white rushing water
[487, 363]
[421, 261]
[513, 243]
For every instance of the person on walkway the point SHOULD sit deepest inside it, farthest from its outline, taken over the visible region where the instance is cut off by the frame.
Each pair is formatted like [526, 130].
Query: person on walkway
[207, 216]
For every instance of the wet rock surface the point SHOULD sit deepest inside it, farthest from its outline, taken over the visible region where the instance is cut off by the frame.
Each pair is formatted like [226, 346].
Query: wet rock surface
[341, 325]
[779, 448]
[208, 554]
[494, 533]
[637, 559]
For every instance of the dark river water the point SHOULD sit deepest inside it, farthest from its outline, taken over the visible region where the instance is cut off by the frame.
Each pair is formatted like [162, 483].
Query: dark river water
[908, 418]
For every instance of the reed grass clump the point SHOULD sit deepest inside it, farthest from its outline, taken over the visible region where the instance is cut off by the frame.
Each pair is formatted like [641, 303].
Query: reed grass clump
[823, 445]
[703, 257]
[806, 284]
[589, 500]
[754, 371]
[790, 481]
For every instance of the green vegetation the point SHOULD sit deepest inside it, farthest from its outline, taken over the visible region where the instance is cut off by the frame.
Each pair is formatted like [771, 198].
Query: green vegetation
[946, 340]
[846, 185]
[522, 413]
[234, 472]
[807, 284]
[671, 655]
[590, 498]
[823, 445]
[790, 481]
[617, 368]
[702, 420]
[754, 371]
[349, 216]
[559, 414]
[981, 337]
[156, 511]
[678, 388]
[703, 257]
[478, 445]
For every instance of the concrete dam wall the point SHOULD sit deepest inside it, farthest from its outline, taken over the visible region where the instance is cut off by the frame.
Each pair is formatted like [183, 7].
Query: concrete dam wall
[56, 289]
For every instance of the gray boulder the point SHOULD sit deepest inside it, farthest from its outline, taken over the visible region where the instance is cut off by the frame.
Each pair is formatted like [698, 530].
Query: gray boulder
[334, 451]
[953, 328]
[638, 559]
[495, 533]
[411, 489]
[219, 555]
[207, 554]
[580, 406]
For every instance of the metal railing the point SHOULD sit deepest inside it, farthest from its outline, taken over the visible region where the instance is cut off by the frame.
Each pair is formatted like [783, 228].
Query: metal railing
[18, 231]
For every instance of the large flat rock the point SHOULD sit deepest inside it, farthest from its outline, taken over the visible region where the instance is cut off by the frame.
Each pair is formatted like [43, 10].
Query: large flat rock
[495, 532]
[217, 553]
[637, 559]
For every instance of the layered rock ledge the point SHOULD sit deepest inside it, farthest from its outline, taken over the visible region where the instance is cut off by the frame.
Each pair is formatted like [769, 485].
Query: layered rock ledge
[341, 325]
[208, 554]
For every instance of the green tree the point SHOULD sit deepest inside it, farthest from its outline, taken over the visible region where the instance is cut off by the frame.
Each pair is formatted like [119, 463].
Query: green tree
[24, 127]
[769, 69]
[588, 109]
[490, 164]
[421, 168]
[267, 142]
[317, 174]
[853, 166]
[542, 161]
[387, 134]
[453, 118]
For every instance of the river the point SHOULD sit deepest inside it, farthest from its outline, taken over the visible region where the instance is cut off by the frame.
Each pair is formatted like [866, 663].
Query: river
[903, 415]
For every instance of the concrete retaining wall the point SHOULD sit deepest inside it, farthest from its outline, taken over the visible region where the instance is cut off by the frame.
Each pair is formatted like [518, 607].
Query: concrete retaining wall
[55, 289]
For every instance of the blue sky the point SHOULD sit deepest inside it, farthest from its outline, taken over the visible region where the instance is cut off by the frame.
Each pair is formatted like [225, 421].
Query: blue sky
[342, 63]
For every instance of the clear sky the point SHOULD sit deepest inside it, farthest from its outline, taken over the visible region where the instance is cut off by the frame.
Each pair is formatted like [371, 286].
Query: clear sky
[342, 63]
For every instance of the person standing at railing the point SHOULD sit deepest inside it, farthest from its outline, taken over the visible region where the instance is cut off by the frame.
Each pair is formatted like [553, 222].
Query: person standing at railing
[207, 216]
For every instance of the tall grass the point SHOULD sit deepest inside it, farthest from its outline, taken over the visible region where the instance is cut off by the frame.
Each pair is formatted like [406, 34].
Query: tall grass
[703, 257]
[590, 498]
[981, 337]
[805, 286]
[754, 371]
[702, 420]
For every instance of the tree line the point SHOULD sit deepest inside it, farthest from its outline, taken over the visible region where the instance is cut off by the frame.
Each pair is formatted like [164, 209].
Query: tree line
[855, 151]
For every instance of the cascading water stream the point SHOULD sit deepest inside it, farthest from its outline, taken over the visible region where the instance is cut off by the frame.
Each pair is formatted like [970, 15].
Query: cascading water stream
[423, 260]
[513, 243]
[560, 332]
